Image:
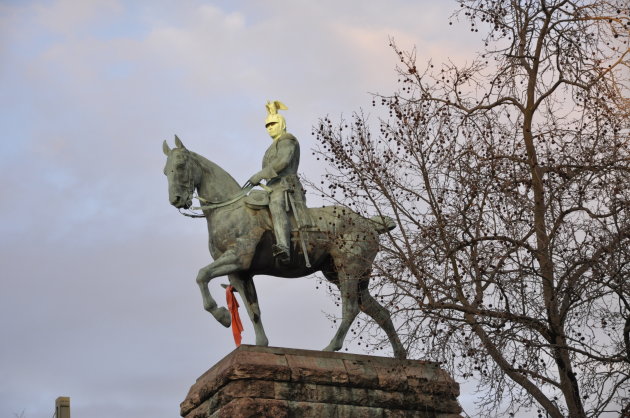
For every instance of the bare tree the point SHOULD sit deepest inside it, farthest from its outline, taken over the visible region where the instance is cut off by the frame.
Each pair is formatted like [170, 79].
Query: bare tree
[509, 180]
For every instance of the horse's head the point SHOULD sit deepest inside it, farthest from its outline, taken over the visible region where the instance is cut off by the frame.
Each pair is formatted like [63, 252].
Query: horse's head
[179, 171]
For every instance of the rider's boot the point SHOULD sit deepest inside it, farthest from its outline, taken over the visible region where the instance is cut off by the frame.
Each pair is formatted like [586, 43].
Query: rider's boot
[282, 229]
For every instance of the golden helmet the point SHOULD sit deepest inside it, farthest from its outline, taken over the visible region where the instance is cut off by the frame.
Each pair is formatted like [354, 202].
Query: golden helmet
[273, 115]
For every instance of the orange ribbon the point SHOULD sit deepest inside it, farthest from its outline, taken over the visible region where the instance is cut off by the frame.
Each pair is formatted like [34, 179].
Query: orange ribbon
[237, 326]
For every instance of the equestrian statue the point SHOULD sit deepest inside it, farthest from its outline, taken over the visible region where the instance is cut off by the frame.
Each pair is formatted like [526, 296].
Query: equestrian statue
[272, 232]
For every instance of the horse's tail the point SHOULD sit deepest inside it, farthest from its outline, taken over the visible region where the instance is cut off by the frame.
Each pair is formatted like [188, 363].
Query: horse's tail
[383, 224]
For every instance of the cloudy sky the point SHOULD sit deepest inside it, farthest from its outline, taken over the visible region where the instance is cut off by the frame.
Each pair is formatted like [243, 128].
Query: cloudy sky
[98, 299]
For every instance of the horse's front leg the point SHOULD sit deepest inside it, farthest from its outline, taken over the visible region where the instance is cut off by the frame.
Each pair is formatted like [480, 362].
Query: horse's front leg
[244, 284]
[228, 263]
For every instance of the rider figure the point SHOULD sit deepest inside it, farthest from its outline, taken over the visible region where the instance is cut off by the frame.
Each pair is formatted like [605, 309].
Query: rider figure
[279, 169]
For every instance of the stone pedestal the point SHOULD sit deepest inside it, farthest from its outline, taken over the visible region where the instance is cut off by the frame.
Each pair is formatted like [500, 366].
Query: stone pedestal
[276, 382]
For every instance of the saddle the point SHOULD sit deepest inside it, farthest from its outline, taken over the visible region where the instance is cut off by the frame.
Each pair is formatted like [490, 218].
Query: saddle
[257, 199]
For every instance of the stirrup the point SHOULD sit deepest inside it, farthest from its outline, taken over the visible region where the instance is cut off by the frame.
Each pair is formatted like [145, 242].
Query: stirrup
[281, 253]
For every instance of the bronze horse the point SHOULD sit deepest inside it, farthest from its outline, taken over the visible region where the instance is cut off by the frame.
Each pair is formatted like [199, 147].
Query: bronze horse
[341, 244]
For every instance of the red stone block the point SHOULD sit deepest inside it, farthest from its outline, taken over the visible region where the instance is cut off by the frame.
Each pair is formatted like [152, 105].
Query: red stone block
[280, 382]
[316, 369]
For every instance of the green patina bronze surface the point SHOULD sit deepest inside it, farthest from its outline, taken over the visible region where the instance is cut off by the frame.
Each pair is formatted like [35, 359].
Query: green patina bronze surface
[333, 240]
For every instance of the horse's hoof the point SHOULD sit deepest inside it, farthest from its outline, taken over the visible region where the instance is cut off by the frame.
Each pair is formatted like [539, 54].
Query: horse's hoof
[224, 317]
[330, 347]
[263, 342]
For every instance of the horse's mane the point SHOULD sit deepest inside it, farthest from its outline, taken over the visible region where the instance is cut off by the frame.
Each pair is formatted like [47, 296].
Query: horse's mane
[214, 170]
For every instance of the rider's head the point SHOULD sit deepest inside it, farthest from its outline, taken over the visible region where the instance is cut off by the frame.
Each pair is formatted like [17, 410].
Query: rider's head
[275, 123]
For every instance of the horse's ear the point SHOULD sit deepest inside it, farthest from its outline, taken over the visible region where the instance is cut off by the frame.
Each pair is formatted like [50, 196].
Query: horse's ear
[165, 148]
[178, 142]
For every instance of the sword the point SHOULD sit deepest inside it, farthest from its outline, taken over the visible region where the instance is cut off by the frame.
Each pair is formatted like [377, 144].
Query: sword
[300, 232]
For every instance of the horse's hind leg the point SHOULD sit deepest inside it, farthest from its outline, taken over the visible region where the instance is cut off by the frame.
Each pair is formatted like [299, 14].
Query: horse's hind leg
[244, 284]
[370, 306]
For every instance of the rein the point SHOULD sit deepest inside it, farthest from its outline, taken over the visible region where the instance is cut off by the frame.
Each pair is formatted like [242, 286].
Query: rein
[215, 205]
